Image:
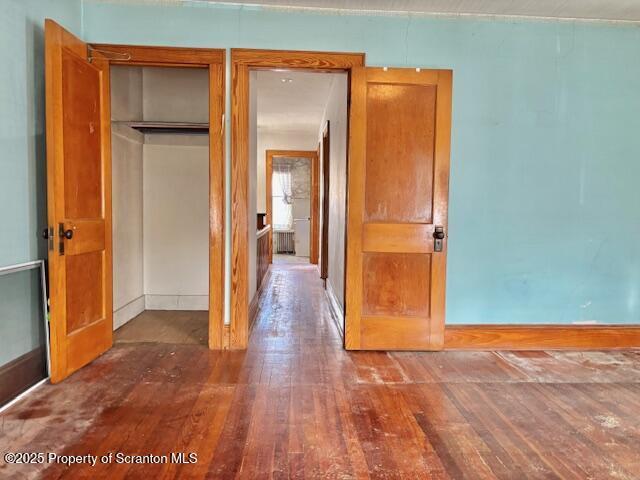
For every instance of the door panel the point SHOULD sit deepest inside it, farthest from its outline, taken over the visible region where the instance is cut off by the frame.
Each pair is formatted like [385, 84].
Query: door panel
[82, 140]
[79, 202]
[398, 195]
[396, 284]
[399, 156]
[84, 274]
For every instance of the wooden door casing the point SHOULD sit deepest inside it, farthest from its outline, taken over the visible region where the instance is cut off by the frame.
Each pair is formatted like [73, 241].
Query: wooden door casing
[79, 202]
[398, 193]
[242, 61]
[314, 199]
[214, 60]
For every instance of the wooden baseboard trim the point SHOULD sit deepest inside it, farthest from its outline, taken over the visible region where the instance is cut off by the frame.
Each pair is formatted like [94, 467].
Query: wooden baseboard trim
[334, 307]
[541, 337]
[21, 373]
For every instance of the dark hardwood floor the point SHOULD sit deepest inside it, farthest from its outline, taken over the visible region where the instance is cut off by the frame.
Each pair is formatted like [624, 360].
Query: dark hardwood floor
[165, 326]
[296, 405]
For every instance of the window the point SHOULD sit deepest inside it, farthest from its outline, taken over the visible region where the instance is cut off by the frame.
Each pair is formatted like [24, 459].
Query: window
[282, 198]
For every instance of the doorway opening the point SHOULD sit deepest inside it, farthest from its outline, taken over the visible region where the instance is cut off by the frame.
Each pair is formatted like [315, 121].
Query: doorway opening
[398, 171]
[80, 186]
[247, 251]
[160, 209]
[291, 195]
[296, 194]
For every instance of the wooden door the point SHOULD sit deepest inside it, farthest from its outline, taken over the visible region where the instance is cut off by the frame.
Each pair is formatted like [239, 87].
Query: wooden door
[79, 202]
[326, 163]
[398, 195]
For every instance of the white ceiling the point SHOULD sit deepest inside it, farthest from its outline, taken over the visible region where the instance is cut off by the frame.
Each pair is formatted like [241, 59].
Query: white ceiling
[624, 10]
[297, 106]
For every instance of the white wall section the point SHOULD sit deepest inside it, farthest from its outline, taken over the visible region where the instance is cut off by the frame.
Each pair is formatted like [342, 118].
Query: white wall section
[126, 174]
[126, 93]
[127, 204]
[160, 193]
[175, 94]
[176, 215]
[336, 114]
[252, 172]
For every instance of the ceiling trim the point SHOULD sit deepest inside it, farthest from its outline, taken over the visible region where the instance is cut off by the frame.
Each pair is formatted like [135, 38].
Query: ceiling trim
[378, 12]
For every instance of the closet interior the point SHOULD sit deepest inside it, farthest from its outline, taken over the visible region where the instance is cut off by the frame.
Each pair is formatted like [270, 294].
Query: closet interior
[160, 201]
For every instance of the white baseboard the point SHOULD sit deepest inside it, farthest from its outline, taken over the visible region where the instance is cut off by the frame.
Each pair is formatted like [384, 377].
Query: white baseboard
[128, 311]
[336, 309]
[177, 302]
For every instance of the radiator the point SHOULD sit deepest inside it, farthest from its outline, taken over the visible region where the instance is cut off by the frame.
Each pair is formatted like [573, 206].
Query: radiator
[284, 242]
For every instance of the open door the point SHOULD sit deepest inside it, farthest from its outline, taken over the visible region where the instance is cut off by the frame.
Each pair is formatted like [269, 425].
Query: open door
[397, 209]
[79, 202]
[326, 167]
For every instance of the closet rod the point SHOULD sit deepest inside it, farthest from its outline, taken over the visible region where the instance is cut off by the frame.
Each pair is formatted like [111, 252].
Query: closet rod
[169, 127]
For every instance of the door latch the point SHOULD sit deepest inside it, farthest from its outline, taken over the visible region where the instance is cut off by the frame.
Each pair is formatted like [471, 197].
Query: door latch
[63, 234]
[47, 234]
[438, 237]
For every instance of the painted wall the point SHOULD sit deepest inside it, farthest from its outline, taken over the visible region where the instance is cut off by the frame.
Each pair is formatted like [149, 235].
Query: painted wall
[543, 206]
[175, 94]
[21, 318]
[252, 259]
[127, 205]
[23, 165]
[336, 115]
[160, 192]
[127, 211]
[176, 191]
[126, 93]
[22, 147]
[176, 222]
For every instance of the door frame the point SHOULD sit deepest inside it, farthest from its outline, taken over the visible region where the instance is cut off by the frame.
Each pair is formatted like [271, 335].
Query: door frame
[242, 62]
[314, 205]
[214, 61]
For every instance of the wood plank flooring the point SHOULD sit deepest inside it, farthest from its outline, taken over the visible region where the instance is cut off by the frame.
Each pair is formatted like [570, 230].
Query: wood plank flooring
[296, 405]
[162, 326]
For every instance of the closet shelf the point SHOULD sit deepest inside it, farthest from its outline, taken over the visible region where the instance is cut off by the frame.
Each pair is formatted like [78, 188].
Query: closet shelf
[169, 127]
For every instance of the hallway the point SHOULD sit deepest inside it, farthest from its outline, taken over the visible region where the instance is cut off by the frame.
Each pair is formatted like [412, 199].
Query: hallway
[296, 405]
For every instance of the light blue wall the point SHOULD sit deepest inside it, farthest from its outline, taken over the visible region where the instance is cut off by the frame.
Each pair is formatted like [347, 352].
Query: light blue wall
[21, 319]
[23, 165]
[22, 148]
[545, 172]
[544, 203]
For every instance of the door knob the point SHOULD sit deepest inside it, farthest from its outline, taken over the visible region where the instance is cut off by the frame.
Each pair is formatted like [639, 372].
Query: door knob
[438, 236]
[62, 233]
